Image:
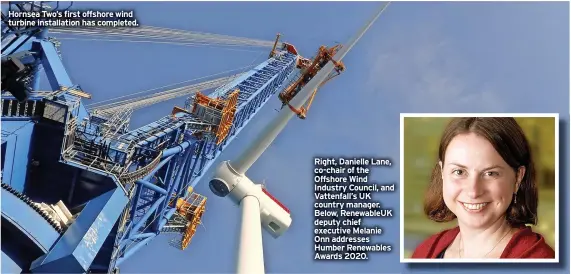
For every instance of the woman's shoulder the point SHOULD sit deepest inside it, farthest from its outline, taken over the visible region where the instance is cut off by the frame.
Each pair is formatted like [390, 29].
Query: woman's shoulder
[435, 244]
[527, 244]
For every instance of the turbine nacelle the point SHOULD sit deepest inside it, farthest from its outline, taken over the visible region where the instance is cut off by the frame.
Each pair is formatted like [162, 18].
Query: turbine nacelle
[275, 217]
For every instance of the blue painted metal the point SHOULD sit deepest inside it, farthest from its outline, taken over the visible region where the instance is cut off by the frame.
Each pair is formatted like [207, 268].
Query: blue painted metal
[28, 221]
[121, 189]
[38, 68]
[77, 248]
[8, 265]
[17, 136]
[39, 173]
[192, 167]
[134, 249]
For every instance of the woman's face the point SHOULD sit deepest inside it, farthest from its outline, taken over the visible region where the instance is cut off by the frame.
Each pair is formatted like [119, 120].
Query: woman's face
[478, 186]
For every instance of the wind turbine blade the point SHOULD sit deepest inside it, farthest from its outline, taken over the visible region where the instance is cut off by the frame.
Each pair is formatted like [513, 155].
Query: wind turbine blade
[257, 147]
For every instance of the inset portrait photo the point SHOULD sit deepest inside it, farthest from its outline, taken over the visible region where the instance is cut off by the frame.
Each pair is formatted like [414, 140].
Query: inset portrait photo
[479, 188]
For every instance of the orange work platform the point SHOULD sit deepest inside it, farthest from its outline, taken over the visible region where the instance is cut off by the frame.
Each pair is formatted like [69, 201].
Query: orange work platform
[216, 111]
[192, 208]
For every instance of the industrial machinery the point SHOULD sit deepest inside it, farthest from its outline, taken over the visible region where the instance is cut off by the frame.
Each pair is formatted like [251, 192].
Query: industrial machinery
[81, 191]
[308, 71]
[258, 206]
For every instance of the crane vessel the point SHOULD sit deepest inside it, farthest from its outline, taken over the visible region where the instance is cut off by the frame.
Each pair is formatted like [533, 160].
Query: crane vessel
[81, 190]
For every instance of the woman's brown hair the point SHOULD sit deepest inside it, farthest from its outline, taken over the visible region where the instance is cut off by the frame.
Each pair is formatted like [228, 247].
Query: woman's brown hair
[509, 140]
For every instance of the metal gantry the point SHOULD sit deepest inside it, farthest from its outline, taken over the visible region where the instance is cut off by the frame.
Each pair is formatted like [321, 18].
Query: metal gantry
[80, 191]
[259, 207]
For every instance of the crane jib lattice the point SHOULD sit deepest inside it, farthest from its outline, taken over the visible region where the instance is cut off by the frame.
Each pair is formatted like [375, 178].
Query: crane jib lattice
[120, 188]
[143, 173]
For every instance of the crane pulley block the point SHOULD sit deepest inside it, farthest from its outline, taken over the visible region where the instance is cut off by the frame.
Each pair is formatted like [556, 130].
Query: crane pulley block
[216, 111]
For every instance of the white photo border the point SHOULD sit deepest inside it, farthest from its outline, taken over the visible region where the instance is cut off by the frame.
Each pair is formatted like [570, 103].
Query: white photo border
[452, 115]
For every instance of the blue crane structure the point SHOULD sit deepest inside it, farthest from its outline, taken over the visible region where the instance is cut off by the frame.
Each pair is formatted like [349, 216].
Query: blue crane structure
[81, 192]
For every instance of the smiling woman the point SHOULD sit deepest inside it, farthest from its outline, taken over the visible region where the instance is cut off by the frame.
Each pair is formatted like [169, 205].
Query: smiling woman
[484, 178]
